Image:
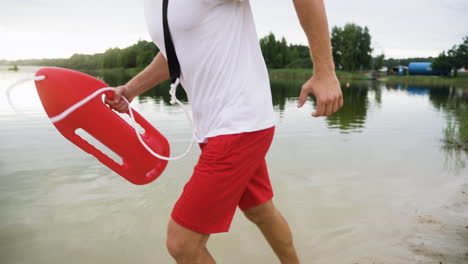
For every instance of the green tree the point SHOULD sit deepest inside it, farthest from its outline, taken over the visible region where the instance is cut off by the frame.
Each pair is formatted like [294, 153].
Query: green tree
[453, 59]
[442, 63]
[144, 58]
[300, 63]
[300, 57]
[351, 47]
[458, 56]
[278, 54]
[267, 45]
[337, 44]
[463, 51]
[378, 62]
[294, 54]
[365, 50]
[285, 52]
[146, 51]
[112, 58]
[128, 57]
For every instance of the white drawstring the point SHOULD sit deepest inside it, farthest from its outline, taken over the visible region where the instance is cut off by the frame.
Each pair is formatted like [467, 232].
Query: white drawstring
[173, 90]
[80, 103]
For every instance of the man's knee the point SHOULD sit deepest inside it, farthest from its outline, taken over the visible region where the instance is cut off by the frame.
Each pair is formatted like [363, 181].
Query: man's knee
[180, 249]
[184, 244]
[262, 213]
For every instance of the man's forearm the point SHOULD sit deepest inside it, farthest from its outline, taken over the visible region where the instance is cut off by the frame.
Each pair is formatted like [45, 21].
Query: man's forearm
[155, 73]
[313, 19]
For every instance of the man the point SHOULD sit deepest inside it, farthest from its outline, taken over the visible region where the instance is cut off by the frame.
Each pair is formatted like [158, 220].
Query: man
[226, 80]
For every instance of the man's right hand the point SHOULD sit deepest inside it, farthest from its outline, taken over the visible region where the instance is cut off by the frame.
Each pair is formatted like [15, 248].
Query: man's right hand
[116, 102]
[155, 73]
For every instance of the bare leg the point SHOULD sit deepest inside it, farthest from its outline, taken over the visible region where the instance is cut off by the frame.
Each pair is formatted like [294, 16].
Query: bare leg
[276, 231]
[187, 246]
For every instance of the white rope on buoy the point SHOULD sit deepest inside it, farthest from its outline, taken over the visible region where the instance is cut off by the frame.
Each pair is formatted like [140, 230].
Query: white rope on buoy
[82, 102]
[20, 81]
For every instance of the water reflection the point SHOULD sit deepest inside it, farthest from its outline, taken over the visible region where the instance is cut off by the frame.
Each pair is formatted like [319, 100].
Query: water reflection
[352, 116]
[455, 159]
[113, 77]
[285, 90]
[359, 97]
[387, 164]
[453, 102]
[161, 93]
[417, 90]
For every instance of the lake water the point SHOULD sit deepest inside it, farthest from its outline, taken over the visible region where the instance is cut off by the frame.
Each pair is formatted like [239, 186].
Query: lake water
[371, 184]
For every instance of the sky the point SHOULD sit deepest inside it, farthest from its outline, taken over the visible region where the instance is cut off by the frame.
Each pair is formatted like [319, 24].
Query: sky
[60, 28]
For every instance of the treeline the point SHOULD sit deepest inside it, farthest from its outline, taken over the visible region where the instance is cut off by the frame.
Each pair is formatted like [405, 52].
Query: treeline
[277, 53]
[450, 60]
[351, 50]
[138, 55]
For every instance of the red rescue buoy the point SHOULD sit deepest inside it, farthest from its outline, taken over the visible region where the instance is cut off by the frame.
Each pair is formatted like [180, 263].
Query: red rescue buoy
[62, 88]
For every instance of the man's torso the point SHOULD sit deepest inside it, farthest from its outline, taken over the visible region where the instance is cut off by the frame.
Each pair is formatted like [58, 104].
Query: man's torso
[222, 68]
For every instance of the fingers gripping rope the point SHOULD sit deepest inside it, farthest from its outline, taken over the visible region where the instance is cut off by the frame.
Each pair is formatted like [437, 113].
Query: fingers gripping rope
[80, 103]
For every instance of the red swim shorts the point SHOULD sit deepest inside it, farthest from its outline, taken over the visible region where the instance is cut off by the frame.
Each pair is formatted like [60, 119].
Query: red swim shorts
[231, 172]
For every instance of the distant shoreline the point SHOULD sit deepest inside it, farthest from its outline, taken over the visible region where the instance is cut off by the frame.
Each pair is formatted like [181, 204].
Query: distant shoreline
[303, 74]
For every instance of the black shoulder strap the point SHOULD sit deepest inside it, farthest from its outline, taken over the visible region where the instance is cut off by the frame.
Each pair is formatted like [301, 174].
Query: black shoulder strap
[172, 61]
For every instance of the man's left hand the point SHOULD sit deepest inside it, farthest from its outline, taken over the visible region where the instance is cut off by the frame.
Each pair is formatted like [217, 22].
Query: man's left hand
[327, 90]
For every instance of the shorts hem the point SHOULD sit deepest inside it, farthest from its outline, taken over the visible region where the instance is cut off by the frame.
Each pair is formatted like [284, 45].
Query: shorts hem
[269, 198]
[196, 228]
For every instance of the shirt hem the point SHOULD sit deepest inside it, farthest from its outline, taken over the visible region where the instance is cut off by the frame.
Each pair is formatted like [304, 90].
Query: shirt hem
[220, 132]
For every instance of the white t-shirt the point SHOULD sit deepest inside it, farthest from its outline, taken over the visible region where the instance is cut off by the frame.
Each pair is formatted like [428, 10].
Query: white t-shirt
[222, 67]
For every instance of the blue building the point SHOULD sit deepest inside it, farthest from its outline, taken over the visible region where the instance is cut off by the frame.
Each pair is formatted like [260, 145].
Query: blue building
[424, 68]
